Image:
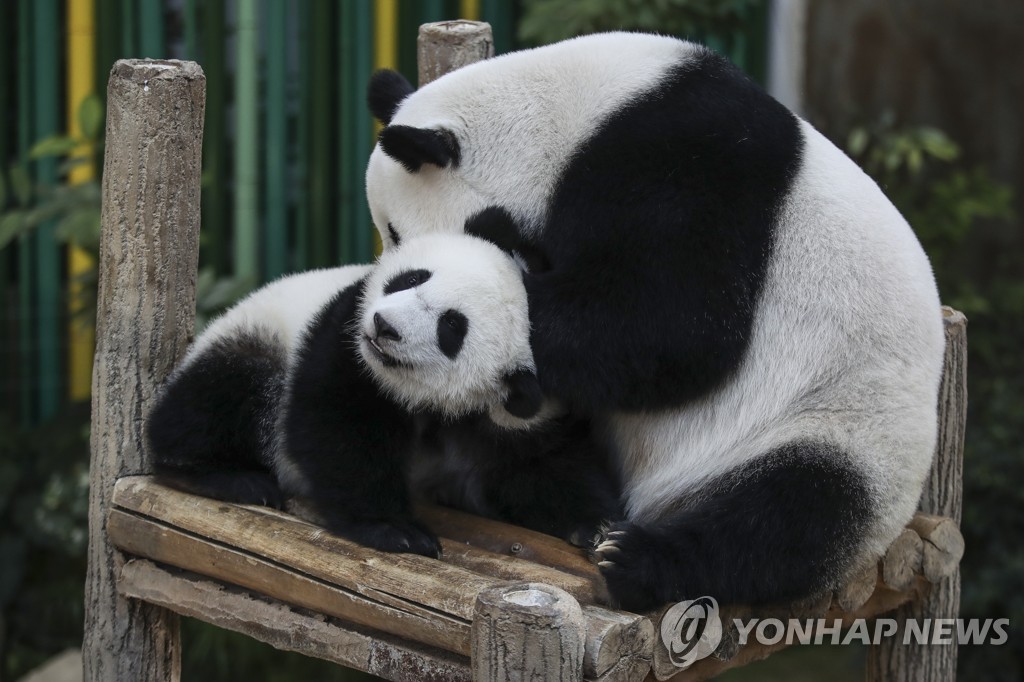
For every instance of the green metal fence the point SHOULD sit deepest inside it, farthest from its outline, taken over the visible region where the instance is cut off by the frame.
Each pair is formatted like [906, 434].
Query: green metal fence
[287, 136]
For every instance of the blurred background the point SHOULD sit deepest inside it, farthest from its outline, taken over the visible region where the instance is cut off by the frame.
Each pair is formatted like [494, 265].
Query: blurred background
[927, 96]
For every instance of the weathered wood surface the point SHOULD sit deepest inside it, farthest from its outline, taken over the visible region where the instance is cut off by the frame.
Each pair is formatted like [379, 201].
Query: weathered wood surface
[527, 631]
[144, 321]
[295, 562]
[513, 541]
[288, 628]
[444, 46]
[942, 497]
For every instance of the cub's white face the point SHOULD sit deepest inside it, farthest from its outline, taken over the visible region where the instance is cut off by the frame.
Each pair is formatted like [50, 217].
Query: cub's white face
[444, 324]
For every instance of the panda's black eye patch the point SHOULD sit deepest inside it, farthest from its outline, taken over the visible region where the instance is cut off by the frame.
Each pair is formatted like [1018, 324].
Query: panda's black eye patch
[395, 239]
[451, 332]
[410, 279]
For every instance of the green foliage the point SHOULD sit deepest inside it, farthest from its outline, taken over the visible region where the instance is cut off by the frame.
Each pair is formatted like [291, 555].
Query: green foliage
[547, 21]
[43, 531]
[958, 213]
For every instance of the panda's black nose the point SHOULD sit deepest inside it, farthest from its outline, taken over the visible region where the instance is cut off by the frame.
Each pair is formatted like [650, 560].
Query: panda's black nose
[384, 329]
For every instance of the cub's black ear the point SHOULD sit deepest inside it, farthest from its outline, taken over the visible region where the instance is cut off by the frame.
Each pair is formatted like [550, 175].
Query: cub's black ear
[413, 147]
[385, 93]
[496, 225]
[524, 396]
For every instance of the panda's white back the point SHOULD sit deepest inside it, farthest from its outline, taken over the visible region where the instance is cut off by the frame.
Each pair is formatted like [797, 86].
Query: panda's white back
[846, 348]
[279, 311]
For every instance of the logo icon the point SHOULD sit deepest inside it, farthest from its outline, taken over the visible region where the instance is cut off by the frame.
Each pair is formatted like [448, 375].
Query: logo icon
[691, 630]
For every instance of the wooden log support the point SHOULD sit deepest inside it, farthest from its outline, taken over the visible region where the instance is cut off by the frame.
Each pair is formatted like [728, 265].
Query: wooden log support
[444, 46]
[527, 631]
[144, 321]
[902, 561]
[943, 496]
[288, 628]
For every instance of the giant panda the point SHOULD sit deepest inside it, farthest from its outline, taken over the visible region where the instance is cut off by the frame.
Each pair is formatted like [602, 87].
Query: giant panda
[750, 323]
[349, 392]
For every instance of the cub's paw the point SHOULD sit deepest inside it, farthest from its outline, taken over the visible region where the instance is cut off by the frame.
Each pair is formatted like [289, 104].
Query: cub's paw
[633, 567]
[391, 536]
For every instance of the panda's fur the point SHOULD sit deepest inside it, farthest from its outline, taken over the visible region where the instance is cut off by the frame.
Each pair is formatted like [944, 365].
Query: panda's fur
[345, 391]
[750, 321]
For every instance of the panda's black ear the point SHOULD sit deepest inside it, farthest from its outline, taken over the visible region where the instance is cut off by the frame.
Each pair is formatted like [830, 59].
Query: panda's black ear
[524, 395]
[496, 225]
[413, 147]
[385, 93]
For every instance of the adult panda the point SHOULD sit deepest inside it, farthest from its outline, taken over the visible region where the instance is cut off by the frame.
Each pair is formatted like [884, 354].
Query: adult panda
[749, 319]
[350, 391]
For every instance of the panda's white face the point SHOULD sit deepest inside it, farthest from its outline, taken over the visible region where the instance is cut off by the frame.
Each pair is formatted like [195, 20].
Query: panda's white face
[444, 324]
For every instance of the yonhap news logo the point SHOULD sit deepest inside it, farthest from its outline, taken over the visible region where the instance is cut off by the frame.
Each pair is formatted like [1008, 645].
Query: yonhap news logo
[691, 630]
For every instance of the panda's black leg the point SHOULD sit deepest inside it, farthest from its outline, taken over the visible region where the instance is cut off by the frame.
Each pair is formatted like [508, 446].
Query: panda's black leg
[211, 428]
[346, 445]
[565, 488]
[783, 528]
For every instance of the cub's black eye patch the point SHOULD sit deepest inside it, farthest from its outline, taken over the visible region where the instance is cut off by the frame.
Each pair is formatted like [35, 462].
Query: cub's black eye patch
[410, 279]
[395, 239]
[451, 332]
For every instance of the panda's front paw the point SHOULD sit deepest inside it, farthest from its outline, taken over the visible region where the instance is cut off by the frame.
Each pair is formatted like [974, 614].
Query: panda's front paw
[405, 535]
[633, 566]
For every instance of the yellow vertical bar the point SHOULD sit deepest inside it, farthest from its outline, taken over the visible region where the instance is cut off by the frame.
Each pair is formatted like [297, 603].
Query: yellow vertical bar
[81, 39]
[385, 54]
[469, 9]
[385, 43]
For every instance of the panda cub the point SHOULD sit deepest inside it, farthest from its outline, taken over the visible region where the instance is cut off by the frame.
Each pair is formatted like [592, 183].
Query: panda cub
[351, 391]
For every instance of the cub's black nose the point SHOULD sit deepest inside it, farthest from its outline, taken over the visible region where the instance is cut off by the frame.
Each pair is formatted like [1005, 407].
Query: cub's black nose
[384, 328]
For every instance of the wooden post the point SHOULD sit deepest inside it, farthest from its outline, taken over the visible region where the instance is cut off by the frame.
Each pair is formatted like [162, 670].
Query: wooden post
[943, 493]
[145, 319]
[527, 631]
[444, 46]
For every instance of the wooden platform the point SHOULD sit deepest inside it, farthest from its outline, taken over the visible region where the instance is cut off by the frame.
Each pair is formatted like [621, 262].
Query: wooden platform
[403, 617]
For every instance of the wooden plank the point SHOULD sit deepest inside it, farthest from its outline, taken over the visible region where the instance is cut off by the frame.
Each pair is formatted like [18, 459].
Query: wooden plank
[153, 540]
[445, 46]
[509, 540]
[619, 645]
[380, 576]
[287, 628]
[145, 318]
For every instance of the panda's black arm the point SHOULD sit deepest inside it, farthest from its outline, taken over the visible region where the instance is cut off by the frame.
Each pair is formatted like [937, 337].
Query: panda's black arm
[345, 444]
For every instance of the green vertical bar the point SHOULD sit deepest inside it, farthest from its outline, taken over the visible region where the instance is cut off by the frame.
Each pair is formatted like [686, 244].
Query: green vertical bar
[408, 30]
[431, 10]
[151, 29]
[47, 80]
[189, 21]
[108, 41]
[302, 143]
[7, 364]
[361, 227]
[215, 190]
[129, 29]
[275, 235]
[246, 226]
[348, 101]
[501, 15]
[321, 129]
[26, 266]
